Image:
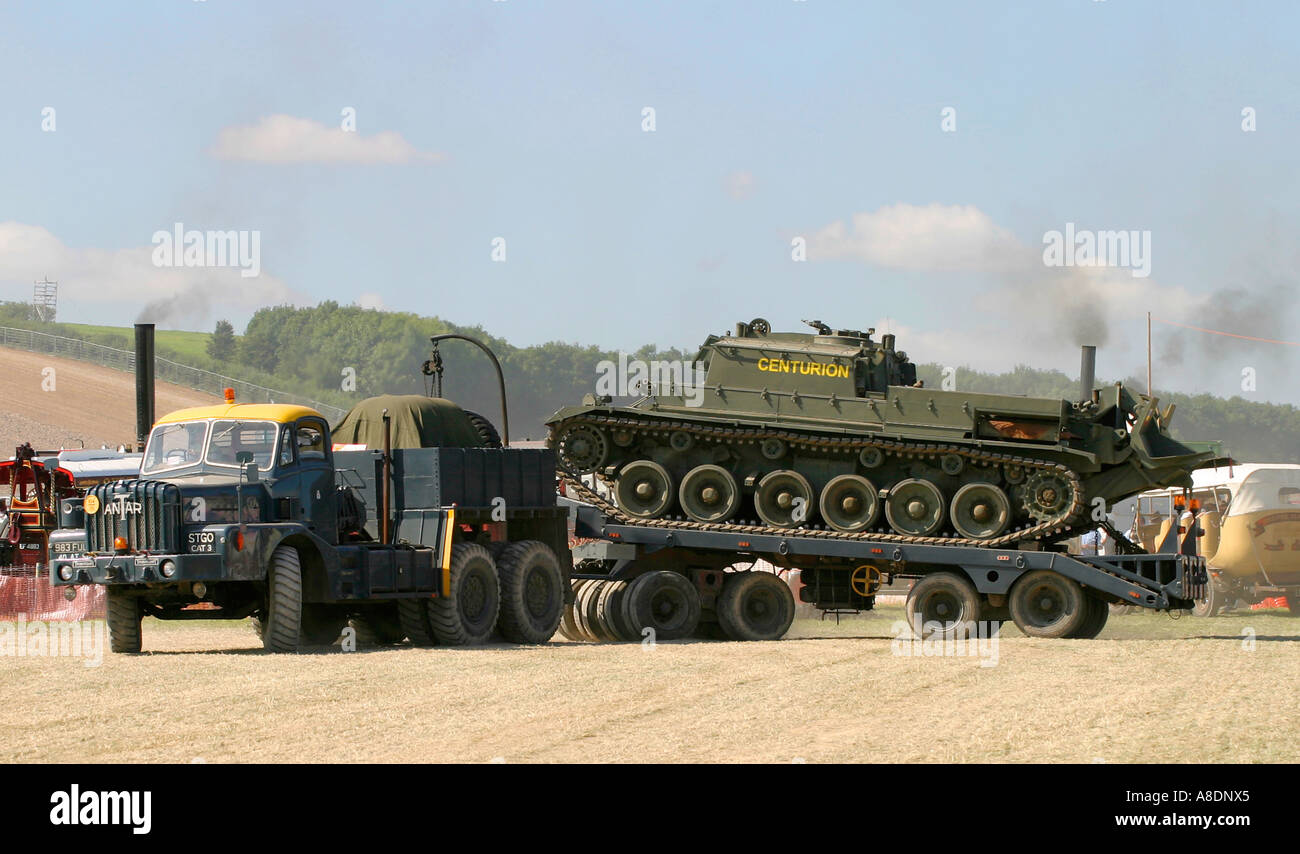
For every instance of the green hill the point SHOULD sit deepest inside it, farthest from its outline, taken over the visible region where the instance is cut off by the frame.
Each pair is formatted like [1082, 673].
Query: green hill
[341, 354]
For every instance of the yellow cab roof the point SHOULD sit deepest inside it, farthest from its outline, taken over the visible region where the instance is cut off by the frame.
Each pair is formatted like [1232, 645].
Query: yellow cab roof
[281, 413]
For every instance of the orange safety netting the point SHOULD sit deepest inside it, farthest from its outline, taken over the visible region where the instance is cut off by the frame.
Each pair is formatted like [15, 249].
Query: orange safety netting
[25, 593]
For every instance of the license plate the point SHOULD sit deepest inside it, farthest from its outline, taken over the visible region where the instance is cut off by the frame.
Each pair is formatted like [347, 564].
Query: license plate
[201, 541]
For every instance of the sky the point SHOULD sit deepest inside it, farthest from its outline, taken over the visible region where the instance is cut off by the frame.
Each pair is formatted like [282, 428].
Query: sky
[628, 173]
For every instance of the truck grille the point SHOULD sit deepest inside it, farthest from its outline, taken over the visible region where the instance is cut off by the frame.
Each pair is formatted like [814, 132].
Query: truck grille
[146, 512]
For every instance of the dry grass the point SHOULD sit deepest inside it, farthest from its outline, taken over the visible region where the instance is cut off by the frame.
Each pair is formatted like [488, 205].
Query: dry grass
[1151, 689]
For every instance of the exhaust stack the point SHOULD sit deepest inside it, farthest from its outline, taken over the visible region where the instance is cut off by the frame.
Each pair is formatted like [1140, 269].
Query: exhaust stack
[144, 379]
[1087, 371]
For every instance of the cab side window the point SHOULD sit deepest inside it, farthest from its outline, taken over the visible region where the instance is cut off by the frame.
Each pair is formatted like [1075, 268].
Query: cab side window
[311, 441]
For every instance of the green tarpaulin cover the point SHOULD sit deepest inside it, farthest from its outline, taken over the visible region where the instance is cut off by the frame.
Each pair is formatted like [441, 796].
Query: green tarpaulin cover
[417, 422]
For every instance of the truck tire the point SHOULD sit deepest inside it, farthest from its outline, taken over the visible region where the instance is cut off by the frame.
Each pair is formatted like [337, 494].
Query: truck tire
[1212, 603]
[123, 622]
[579, 612]
[413, 615]
[378, 627]
[282, 617]
[486, 432]
[1098, 612]
[663, 602]
[532, 592]
[946, 599]
[755, 606]
[1046, 604]
[469, 614]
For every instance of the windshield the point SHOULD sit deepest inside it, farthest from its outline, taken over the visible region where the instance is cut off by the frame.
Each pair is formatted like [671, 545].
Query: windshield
[231, 438]
[174, 445]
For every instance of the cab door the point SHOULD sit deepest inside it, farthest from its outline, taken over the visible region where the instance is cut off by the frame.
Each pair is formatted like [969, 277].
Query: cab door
[317, 495]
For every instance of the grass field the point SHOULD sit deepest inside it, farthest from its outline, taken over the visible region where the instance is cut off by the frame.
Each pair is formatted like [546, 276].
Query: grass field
[1150, 689]
[188, 345]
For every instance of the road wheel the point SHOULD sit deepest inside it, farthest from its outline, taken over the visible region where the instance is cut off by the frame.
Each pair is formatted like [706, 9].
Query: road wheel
[943, 605]
[468, 615]
[532, 592]
[663, 601]
[1211, 604]
[1046, 604]
[378, 627]
[282, 617]
[124, 616]
[1098, 611]
[755, 606]
[915, 507]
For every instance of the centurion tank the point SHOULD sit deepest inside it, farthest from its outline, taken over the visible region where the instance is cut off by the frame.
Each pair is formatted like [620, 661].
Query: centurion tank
[831, 433]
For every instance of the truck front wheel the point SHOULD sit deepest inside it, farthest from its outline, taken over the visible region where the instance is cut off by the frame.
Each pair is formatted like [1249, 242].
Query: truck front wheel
[123, 622]
[469, 614]
[282, 616]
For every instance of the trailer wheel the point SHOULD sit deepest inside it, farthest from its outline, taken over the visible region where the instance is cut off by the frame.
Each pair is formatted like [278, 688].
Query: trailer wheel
[124, 616]
[580, 610]
[1098, 611]
[568, 627]
[591, 618]
[282, 616]
[609, 607]
[532, 592]
[943, 605]
[1210, 605]
[413, 615]
[664, 602]
[378, 627]
[1046, 604]
[755, 606]
[468, 615]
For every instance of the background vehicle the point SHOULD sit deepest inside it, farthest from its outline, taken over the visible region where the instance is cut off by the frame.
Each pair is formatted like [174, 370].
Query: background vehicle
[1250, 526]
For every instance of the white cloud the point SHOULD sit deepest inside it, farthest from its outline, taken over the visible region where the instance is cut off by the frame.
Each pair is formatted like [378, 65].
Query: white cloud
[180, 296]
[289, 139]
[931, 237]
[371, 300]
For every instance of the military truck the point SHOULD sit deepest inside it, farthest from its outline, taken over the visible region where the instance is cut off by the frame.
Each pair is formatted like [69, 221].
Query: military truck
[407, 520]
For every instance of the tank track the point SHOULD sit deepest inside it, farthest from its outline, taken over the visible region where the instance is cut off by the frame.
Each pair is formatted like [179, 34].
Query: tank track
[1053, 528]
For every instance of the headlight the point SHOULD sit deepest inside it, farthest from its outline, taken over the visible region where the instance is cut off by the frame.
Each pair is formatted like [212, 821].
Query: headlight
[65, 572]
[168, 568]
